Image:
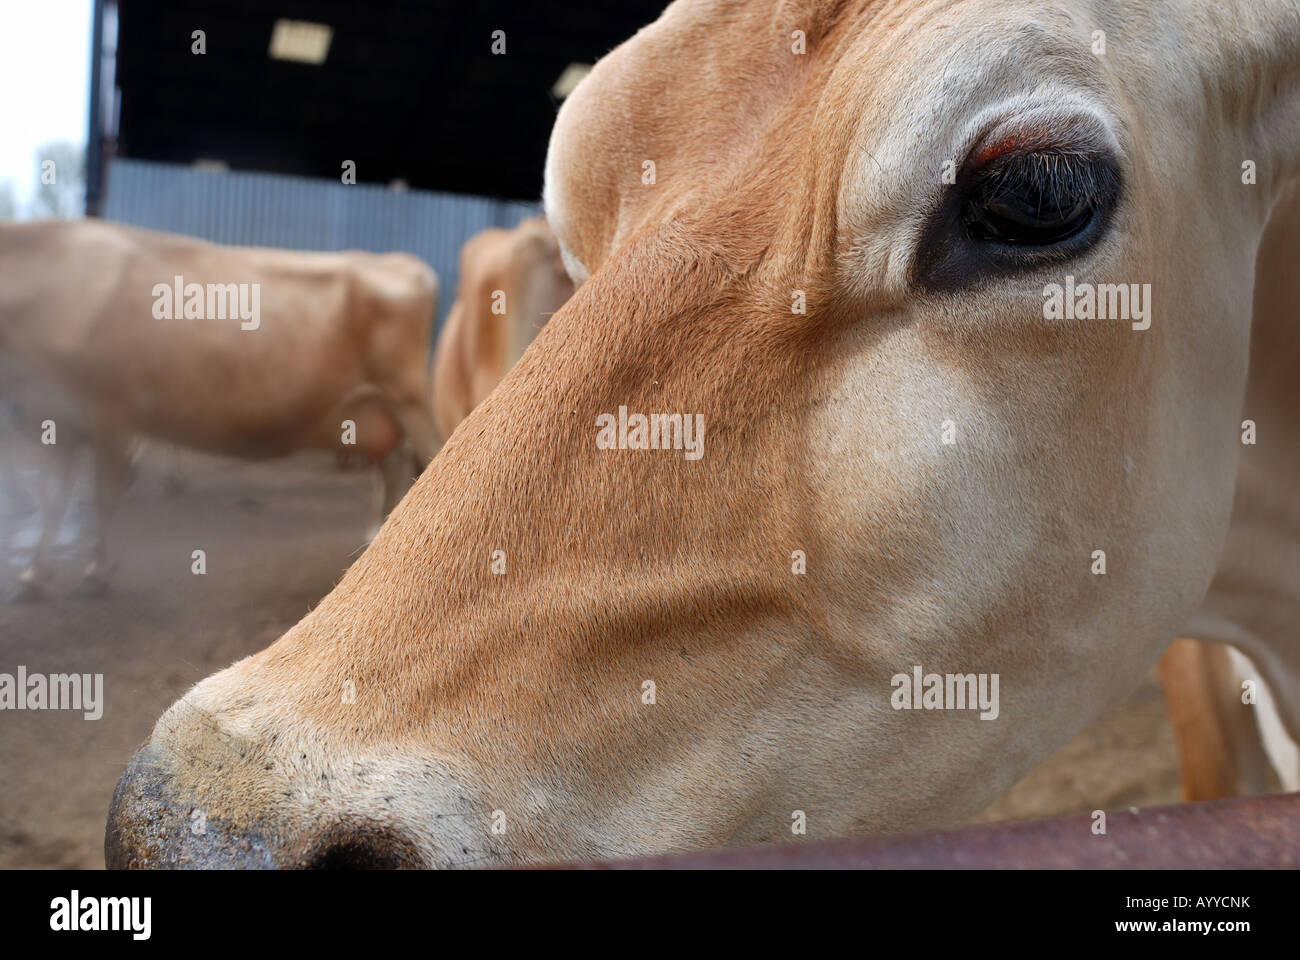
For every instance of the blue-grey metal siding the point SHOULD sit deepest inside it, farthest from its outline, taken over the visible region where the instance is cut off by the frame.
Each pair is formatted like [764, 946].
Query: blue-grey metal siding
[272, 210]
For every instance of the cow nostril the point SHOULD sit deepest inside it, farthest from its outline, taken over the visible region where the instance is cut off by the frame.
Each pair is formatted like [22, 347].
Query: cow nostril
[361, 848]
[349, 855]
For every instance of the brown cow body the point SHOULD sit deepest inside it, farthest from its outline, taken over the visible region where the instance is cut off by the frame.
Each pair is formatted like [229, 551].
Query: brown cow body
[85, 345]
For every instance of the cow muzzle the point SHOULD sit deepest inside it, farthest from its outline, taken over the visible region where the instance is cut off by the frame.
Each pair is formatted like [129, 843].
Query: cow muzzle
[150, 828]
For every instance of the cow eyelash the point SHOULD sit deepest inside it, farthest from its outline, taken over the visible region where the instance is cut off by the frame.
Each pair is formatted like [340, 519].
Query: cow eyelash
[1065, 188]
[1020, 209]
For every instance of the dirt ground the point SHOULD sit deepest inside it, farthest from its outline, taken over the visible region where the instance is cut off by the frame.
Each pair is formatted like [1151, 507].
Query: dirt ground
[277, 537]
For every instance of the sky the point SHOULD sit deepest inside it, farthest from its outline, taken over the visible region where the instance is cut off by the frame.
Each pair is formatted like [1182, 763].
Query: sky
[44, 83]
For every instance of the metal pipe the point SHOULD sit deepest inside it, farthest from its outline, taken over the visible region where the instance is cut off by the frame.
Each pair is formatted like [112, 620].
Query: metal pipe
[95, 123]
[1251, 832]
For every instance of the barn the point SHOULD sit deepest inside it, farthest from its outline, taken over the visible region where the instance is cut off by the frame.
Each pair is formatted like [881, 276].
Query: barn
[437, 136]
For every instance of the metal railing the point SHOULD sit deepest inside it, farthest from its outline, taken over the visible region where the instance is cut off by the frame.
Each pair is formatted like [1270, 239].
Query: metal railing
[1254, 832]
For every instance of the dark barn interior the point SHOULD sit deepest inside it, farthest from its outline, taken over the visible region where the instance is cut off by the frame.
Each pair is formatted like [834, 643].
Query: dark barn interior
[409, 90]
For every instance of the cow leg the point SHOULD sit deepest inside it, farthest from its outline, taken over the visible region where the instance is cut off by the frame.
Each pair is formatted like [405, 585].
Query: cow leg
[174, 482]
[112, 473]
[55, 481]
[1219, 746]
[15, 499]
[396, 472]
[17, 503]
[420, 430]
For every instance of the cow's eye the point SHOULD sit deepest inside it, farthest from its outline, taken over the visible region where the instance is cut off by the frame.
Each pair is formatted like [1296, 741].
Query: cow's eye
[1016, 207]
[1029, 204]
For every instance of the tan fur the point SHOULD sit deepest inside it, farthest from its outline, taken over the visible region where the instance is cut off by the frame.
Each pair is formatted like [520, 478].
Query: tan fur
[341, 336]
[477, 346]
[522, 692]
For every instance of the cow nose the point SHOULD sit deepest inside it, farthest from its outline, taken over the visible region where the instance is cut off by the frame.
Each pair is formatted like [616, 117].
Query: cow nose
[148, 828]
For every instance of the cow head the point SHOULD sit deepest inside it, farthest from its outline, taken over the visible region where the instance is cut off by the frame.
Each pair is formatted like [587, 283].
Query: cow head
[836, 237]
[511, 282]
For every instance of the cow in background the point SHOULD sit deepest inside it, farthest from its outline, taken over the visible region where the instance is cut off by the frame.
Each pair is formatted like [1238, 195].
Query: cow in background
[1230, 736]
[511, 281]
[109, 332]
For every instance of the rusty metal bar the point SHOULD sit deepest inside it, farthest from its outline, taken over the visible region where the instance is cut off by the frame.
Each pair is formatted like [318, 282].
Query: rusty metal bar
[1254, 832]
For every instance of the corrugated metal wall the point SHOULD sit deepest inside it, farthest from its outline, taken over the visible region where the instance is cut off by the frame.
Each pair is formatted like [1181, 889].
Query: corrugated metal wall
[271, 210]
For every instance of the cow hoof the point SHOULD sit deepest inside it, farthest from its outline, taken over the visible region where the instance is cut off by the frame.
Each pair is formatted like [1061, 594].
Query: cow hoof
[30, 587]
[27, 591]
[94, 583]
